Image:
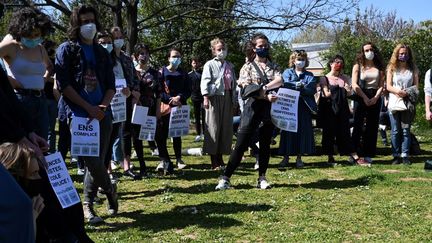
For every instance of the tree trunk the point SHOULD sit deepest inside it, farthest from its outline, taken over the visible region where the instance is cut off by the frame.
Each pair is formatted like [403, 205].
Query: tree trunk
[132, 26]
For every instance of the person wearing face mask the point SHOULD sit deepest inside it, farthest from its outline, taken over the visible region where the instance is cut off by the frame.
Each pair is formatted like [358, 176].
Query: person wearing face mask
[257, 72]
[85, 76]
[218, 82]
[301, 142]
[402, 84]
[335, 112]
[197, 98]
[150, 88]
[367, 82]
[27, 63]
[175, 93]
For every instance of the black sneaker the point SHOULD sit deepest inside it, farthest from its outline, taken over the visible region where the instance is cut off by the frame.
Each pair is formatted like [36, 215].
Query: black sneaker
[396, 161]
[406, 161]
[132, 175]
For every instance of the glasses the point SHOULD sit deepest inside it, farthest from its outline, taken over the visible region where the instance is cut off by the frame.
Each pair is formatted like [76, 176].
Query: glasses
[300, 51]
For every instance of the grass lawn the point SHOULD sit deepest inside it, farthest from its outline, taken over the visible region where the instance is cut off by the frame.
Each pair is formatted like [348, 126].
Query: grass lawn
[343, 203]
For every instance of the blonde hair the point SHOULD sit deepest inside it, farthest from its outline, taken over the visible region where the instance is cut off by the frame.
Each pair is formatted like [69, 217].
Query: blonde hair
[16, 158]
[214, 42]
[296, 54]
[394, 60]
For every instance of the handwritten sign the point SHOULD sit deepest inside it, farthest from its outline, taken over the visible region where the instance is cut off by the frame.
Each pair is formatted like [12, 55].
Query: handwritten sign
[148, 130]
[179, 121]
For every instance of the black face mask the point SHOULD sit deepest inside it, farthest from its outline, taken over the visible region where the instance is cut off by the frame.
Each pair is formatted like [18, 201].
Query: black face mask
[32, 187]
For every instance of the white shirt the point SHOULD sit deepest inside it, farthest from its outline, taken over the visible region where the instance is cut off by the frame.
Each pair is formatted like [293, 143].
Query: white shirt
[427, 84]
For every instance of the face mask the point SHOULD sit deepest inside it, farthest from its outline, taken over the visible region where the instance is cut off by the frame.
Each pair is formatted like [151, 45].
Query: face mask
[300, 64]
[88, 31]
[118, 44]
[31, 43]
[32, 187]
[403, 58]
[337, 66]
[222, 55]
[262, 52]
[370, 55]
[175, 61]
[108, 47]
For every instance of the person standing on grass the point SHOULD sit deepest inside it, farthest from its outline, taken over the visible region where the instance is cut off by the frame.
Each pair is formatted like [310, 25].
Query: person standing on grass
[197, 98]
[85, 77]
[175, 93]
[335, 113]
[368, 82]
[428, 94]
[218, 84]
[258, 71]
[302, 141]
[402, 77]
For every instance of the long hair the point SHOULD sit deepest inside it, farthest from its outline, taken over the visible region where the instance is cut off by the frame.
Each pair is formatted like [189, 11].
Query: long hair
[394, 61]
[250, 46]
[16, 158]
[296, 54]
[75, 23]
[377, 60]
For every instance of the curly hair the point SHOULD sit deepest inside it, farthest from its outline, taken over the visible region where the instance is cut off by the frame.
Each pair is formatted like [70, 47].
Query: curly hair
[25, 20]
[296, 54]
[75, 22]
[378, 62]
[394, 61]
[139, 47]
[334, 58]
[250, 46]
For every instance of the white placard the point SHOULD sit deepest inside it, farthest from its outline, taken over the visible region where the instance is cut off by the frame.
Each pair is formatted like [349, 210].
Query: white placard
[61, 181]
[148, 130]
[118, 107]
[85, 137]
[139, 115]
[284, 110]
[179, 121]
[120, 83]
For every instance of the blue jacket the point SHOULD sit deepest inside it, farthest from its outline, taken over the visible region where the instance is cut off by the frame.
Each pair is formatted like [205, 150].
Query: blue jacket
[308, 89]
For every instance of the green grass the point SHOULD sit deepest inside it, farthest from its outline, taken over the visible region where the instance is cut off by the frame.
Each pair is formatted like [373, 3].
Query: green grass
[345, 203]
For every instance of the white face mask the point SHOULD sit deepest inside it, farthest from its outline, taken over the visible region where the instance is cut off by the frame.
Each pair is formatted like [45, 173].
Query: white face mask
[222, 55]
[108, 47]
[88, 31]
[118, 44]
[300, 64]
[369, 55]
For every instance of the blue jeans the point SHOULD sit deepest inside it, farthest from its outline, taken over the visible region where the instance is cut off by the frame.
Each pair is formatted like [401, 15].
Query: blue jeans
[36, 108]
[52, 118]
[117, 154]
[400, 134]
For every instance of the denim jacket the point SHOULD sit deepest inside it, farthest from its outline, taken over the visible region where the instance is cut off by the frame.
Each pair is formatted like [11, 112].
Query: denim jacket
[307, 90]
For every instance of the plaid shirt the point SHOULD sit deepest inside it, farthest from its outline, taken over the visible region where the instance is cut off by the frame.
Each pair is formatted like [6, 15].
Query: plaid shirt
[248, 73]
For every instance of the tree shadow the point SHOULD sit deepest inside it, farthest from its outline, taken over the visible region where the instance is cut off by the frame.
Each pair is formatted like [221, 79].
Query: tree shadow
[332, 184]
[206, 215]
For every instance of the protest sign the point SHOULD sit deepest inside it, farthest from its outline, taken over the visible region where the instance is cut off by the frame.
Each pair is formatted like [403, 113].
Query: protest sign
[284, 110]
[139, 115]
[61, 181]
[148, 130]
[85, 137]
[179, 121]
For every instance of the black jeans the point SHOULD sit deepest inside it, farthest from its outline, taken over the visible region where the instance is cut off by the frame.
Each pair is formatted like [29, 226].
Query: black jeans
[256, 115]
[161, 140]
[366, 117]
[199, 114]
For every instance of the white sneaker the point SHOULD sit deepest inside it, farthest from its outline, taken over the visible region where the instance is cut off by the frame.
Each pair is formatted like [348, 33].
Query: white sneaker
[155, 152]
[114, 165]
[256, 166]
[263, 184]
[180, 164]
[299, 163]
[223, 184]
[80, 171]
[197, 138]
[160, 167]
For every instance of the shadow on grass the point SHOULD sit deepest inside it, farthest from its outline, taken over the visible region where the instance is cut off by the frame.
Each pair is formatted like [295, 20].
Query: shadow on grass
[332, 184]
[206, 215]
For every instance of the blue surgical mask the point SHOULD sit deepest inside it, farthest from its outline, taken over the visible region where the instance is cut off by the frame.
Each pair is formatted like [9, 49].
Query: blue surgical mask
[119, 43]
[262, 52]
[108, 47]
[175, 61]
[31, 43]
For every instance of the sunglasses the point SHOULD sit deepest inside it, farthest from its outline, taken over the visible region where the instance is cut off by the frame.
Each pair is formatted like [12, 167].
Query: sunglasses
[300, 51]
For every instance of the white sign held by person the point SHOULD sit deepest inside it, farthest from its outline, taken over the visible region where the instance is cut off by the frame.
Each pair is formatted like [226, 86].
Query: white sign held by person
[85, 137]
[148, 130]
[118, 102]
[284, 111]
[139, 115]
[179, 121]
[61, 181]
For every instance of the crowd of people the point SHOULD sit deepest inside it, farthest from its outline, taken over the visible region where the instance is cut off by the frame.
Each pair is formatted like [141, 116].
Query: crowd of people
[42, 83]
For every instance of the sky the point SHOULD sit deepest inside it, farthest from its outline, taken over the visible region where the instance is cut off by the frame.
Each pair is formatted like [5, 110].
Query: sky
[417, 10]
